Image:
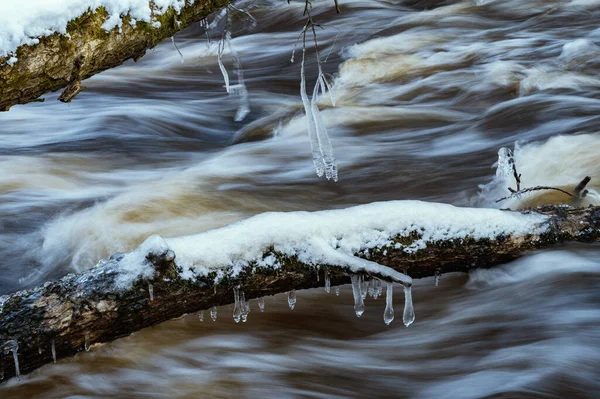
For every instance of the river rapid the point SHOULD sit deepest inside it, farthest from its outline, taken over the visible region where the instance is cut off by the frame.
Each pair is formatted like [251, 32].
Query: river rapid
[426, 94]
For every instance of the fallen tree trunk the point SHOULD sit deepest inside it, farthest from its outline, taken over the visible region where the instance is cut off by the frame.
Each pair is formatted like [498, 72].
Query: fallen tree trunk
[61, 318]
[60, 61]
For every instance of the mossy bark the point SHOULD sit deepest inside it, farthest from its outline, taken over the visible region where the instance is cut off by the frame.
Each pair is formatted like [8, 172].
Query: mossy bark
[79, 310]
[60, 61]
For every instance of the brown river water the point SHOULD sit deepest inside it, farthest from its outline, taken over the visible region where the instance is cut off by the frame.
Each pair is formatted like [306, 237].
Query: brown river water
[425, 97]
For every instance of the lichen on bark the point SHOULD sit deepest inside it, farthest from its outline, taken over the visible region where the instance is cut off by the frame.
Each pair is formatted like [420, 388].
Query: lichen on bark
[59, 61]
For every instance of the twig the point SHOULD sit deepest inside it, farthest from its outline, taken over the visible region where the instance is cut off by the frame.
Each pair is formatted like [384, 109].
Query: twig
[536, 188]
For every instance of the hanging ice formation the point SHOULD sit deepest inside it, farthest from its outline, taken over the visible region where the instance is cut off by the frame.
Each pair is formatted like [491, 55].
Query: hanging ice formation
[87, 344]
[261, 304]
[388, 314]
[151, 291]
[337, 291]
[237, 307]
[322, 151]
[327, 281]
[359, 305]
[240, 88]
[438, 275]
[177, 48]
[245, 306]
[213, 313]
[201, 315]
[241, 308]
[292, 299]
[409, 313]
[12, 347]
[53, 350]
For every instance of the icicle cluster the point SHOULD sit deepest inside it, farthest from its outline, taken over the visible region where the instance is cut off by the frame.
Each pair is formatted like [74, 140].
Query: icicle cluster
[362, 287]
[322, 151]
[241, 308]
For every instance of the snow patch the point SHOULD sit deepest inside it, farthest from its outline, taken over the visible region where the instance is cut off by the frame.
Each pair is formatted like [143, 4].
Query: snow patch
[333, 237]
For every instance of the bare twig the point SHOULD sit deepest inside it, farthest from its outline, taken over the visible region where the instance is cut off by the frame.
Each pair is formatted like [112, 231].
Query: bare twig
[516, 194]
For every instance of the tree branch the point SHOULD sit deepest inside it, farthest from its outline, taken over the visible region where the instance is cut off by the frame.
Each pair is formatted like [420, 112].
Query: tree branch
[61, 318]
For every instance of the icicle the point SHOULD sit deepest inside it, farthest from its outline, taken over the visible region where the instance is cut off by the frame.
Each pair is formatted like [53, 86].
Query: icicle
[312, 129]
[292, 299]
[53, 350]
[325, 86]
[327, 282]
[244, 106]
[438, 275]
[12, 347]
[318, 270]
[359, 305]
[378, 289]
[221, 48]
[364, 288]
[177, 48]
[337, 291]
[151, 291]
[261, 304]
[237, 307]
[409, 312]
[87, 345]
[201, 315]
[39, 350]
[245, 306]
[213, 313]
[388, 314]
[328, 159]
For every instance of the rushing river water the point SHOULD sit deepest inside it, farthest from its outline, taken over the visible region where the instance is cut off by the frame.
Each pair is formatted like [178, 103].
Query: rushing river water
[425, 97]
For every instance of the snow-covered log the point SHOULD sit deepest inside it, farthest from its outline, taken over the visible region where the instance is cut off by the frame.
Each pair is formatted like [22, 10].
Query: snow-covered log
[266, 255]
[44, 49]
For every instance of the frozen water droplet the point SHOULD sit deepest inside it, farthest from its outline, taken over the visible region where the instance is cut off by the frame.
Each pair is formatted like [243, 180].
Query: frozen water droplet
[359, 305]
[337, 291]
[327, 282]
[237, 308]
[438, 275]
[151, 291]
[201, 315]
[53, 349]
[261, 304]
[213, 313]
[409, 312]
[87, 343]
[39, 350]
[9, 347]
[388, 314]
[292, 299]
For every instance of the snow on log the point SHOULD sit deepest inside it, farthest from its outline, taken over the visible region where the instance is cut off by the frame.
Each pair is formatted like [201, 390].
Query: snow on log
[44, 49]
[265, 255]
